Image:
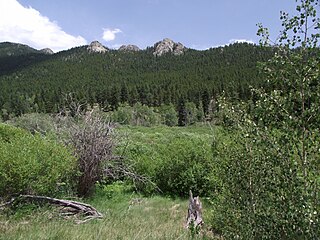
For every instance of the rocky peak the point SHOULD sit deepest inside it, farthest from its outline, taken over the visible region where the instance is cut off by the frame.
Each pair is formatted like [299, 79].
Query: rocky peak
[129, 48]
[96, 47]
[168, 46]
[47, 51]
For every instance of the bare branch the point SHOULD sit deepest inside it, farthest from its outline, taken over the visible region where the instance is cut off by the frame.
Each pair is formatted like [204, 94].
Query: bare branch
[71, 207]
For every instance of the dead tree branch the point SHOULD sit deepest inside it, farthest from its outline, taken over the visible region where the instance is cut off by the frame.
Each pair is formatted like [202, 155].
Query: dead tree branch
[69, 206]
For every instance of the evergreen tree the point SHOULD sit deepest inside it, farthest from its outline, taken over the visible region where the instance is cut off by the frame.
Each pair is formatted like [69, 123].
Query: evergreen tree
[182, 114]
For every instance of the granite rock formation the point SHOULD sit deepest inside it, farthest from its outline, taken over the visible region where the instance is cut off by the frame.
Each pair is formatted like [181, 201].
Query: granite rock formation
[96, 47]
[129, 48]
[47, 51]
[168, 46]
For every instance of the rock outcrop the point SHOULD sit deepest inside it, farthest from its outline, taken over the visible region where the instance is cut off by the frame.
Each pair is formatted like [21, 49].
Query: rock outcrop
[47, 51]
[178, 49]
[96, 47]
[168, 46]
[129, 48]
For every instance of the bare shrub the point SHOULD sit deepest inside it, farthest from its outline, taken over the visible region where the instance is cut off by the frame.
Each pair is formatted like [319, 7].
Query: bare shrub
[93, 140]
[93, 143]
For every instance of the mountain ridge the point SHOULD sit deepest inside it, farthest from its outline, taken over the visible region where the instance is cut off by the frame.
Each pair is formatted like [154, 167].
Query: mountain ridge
[15, 49]
[161, 47]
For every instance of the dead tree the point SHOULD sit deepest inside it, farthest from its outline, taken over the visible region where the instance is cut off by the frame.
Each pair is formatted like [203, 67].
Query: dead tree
[194, 217]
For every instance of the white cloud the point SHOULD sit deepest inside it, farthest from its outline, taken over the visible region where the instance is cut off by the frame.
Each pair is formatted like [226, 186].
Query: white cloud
[110, 34]
[27, 25]
[240, 41]
[200, 47]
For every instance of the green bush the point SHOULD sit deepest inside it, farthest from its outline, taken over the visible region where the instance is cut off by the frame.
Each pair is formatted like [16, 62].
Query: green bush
[31, 164]
[137, 115]
[186, 164]
[113, 190]
[168, 115]
[123, 114]
[34, 122]
[175, 159]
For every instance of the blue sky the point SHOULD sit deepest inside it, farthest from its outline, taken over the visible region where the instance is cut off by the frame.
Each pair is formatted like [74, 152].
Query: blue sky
[199, 24]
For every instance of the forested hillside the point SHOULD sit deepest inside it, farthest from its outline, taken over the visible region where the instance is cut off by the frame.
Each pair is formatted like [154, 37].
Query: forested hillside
[36, 82]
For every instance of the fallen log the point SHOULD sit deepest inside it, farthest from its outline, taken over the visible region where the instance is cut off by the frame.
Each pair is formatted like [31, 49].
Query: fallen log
[70, 206]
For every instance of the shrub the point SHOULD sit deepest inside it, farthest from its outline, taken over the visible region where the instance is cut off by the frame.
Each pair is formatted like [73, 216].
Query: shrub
[186, 165]
[175, 159]
[144, 115]
[168, 115]
[34, 122]
[123, 114]
[92, 141]
[191, 113]
[31, 164]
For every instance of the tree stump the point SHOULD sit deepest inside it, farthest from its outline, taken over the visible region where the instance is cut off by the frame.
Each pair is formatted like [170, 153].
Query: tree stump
[194, 217]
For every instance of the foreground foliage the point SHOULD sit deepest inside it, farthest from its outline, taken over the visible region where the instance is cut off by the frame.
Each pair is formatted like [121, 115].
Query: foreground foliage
[268, 163]
[31, 164]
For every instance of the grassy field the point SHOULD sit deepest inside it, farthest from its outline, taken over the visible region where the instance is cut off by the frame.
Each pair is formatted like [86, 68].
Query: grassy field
[127, 214]
[161, 134]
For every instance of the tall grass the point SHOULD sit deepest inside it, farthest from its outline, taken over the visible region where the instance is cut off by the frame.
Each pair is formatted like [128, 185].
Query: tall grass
[126, 216]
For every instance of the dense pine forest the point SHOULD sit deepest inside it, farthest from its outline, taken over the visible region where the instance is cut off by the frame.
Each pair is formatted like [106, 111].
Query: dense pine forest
[32, 81]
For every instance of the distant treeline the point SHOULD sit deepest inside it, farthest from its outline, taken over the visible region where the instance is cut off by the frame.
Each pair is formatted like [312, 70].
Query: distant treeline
[38, 83]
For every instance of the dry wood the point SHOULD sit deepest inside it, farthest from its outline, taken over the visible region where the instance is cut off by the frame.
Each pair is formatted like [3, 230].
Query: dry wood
[7, 203]
[194, 217]
[72, 207]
